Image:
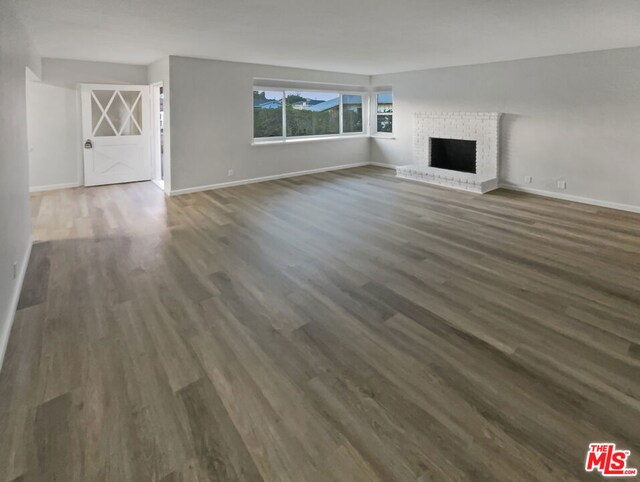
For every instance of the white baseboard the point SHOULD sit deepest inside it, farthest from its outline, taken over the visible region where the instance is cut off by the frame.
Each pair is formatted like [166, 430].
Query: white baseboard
[254, 180]
[571, 197]
[5, 330]
[159, 183]
[381, 164]
[53, 187]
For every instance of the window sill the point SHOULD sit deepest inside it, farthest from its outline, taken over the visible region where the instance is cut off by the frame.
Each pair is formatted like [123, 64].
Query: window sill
[383, 136]
[308, 139]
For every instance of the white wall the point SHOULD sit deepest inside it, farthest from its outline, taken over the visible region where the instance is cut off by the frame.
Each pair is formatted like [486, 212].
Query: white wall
[212, 126]
[54, 112]
[573, 117]
[16, 53]
[72, 72]
[52, 115]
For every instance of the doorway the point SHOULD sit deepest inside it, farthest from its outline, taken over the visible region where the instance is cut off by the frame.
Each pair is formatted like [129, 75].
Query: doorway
[158, 144]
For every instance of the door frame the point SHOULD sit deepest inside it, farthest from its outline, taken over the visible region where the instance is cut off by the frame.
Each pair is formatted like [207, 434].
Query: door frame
[157, 159]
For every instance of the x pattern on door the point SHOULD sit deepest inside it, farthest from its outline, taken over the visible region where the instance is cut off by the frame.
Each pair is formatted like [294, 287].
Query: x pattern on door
[116, 113]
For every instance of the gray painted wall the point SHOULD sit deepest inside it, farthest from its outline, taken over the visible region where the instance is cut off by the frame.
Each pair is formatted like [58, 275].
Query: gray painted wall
[572, 117]
[16, 53]
[212, 125]
[54, 112]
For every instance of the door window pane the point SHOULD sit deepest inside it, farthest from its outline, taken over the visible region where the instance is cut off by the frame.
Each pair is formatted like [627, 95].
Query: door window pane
[312, 113]
[117, 113]
[130, 128]
[96, 114]
[104, 96]
[133, 125]
[99, 102]
[267, 113]
[130, 97]
[104, 129]
[351, 113]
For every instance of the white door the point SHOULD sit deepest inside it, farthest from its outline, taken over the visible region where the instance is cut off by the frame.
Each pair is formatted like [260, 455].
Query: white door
[116, 129]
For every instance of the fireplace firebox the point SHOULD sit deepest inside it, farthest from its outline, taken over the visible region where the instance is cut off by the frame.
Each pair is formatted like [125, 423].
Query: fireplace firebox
[453, 154]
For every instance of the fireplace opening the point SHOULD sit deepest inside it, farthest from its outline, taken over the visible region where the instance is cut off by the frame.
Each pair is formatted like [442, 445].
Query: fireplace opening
[453, 154]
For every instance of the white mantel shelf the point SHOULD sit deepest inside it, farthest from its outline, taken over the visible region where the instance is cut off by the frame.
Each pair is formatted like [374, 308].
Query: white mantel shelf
[482, 127]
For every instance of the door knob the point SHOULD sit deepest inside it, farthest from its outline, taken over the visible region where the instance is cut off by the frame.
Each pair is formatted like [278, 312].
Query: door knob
[88, 144]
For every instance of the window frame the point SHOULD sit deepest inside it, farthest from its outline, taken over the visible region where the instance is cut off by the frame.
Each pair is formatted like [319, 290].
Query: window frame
[253, 120]
[365, 105]
[376, 132]
[284, 138]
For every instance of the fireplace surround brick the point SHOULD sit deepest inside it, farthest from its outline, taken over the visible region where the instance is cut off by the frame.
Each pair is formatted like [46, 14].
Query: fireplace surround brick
[482, 127]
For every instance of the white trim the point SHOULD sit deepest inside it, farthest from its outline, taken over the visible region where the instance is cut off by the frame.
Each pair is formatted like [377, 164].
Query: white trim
[156, 136]
[266, 141]
[340, 113]
[254, 180]
[297, 88]
[382, 164]
[159, 183]
[571, 197]
[13, 305]
[283, 109]
[306, 85]
[53, 187]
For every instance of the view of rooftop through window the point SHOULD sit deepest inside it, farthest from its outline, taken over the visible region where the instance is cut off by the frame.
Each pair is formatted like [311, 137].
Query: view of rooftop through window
[384, 112]
[306, 113]
[312, 113]
[267, 113]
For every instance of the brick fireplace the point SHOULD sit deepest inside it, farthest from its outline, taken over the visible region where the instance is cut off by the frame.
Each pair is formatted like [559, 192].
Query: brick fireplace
[432, 130]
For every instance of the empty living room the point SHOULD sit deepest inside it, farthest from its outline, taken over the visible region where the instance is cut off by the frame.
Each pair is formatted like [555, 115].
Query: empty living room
[319, 241]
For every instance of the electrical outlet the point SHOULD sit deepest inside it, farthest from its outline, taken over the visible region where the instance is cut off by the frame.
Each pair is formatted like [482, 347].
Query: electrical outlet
[230, 172]
[528, 179]
[15, 270]
[562, 184]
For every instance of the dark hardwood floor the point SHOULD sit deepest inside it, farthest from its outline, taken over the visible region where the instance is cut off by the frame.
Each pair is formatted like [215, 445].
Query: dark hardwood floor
[346, 326]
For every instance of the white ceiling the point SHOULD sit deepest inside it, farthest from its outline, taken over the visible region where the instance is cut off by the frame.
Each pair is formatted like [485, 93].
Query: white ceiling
[359, 36]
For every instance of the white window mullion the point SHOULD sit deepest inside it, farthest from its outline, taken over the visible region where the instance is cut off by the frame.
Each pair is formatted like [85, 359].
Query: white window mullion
[340, 111]
[284, 115]
[369, 116]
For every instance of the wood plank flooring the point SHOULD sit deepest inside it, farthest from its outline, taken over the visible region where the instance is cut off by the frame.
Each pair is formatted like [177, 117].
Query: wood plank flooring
[346, 326]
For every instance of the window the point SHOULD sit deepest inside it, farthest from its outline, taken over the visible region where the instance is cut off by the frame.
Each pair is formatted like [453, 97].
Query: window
[290, 114]
[116, 113]
[312, 113]
[267, 113]
[384, 112]
[351, 113]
